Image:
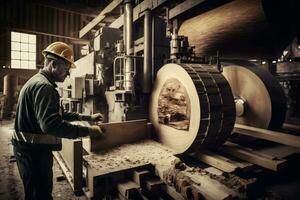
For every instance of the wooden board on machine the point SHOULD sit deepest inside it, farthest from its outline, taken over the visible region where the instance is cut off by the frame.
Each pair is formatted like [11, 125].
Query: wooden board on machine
[116, 134]
[206, 100]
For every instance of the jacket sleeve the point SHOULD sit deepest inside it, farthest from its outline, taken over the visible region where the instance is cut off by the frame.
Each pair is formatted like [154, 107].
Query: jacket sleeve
[46, 108]
[70, 116]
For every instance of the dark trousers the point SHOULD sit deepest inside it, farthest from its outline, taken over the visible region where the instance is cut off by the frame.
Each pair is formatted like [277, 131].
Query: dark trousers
[35, 168]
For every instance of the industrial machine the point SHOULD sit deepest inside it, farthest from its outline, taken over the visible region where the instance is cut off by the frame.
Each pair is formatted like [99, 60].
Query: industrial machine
[181, 73]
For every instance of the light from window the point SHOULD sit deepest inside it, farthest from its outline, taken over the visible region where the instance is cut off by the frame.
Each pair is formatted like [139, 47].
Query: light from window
[23, 50]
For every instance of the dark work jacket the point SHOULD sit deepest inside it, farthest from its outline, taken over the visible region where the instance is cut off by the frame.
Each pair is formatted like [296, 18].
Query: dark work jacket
[38, 112]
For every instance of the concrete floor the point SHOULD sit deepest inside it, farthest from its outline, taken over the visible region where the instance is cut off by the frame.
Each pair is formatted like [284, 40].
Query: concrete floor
[11, 187]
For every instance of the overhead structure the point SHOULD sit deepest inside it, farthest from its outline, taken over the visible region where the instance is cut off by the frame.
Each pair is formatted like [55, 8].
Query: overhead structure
[243, 29]
[191, 107]
[259, 98]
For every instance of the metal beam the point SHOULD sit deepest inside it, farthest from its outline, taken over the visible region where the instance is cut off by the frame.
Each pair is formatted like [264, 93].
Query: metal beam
[183, 7]
[138, 11]
[73, 39]
[100, 17]
[69, 9]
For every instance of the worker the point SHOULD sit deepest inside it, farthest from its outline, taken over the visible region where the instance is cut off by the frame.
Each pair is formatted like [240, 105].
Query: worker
[41, 123]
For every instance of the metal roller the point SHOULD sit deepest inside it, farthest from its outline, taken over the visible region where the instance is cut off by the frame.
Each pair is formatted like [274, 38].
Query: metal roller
[259, 98]
[188, 108]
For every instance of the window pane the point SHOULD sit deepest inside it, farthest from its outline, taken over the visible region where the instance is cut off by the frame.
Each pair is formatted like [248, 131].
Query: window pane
[24, 38]
[15, 55]
[15, 63]
[23, 50]
[32, 39]
[24, 55]
[24, 47]
[31, 48]
[31, 65]
[24, 64]
[15, 46]
[31, 56]
[15, 36]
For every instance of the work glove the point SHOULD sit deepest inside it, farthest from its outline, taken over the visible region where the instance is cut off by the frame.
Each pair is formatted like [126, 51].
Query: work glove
[94, 117]
[96, 131]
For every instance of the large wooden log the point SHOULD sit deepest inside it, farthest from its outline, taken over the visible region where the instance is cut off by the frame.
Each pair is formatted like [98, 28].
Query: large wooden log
[243, 29]
[191, 107]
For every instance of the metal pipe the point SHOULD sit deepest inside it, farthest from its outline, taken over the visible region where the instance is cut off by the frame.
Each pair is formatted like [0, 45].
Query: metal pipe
[10, 83]
[147, 72]
[128, 37]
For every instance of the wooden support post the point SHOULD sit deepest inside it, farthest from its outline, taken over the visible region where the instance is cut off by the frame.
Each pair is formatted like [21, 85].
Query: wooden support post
[263, 160]
[274, 136]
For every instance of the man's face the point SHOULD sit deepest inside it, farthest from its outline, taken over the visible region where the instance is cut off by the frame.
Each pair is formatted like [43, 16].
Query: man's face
[61, 69]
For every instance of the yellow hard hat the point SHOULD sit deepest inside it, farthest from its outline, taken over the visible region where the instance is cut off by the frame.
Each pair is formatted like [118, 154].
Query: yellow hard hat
[62, 50]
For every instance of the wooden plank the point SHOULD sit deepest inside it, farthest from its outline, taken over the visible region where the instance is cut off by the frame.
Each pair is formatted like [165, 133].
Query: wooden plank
[140, 176]
[96, 185]
[261, 159]
[100, 17]
[201, 184]
[214, 171]
[279, 151]
[128, 189]
[215, 160]
[274, 136]
[154, 184]
[292, 127]
[117, 134]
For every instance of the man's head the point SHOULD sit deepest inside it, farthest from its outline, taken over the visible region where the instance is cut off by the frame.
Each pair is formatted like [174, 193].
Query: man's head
[58, 60]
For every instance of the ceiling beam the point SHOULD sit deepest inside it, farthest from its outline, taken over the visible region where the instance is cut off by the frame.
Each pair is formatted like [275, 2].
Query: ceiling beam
[100, 17]
[138, 11]
[183, 7]
[72, 39]
[71, 9]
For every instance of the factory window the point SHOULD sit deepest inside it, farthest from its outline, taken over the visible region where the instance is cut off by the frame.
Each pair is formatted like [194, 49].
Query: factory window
[23, 50]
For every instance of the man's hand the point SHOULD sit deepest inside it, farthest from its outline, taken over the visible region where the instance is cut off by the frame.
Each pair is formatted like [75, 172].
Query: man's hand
[93, 118]
[96, 117]
[95, 131]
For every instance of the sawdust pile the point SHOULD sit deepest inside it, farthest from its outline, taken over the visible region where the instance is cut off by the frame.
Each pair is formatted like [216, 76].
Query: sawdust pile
[190, 182]
[130, 155]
